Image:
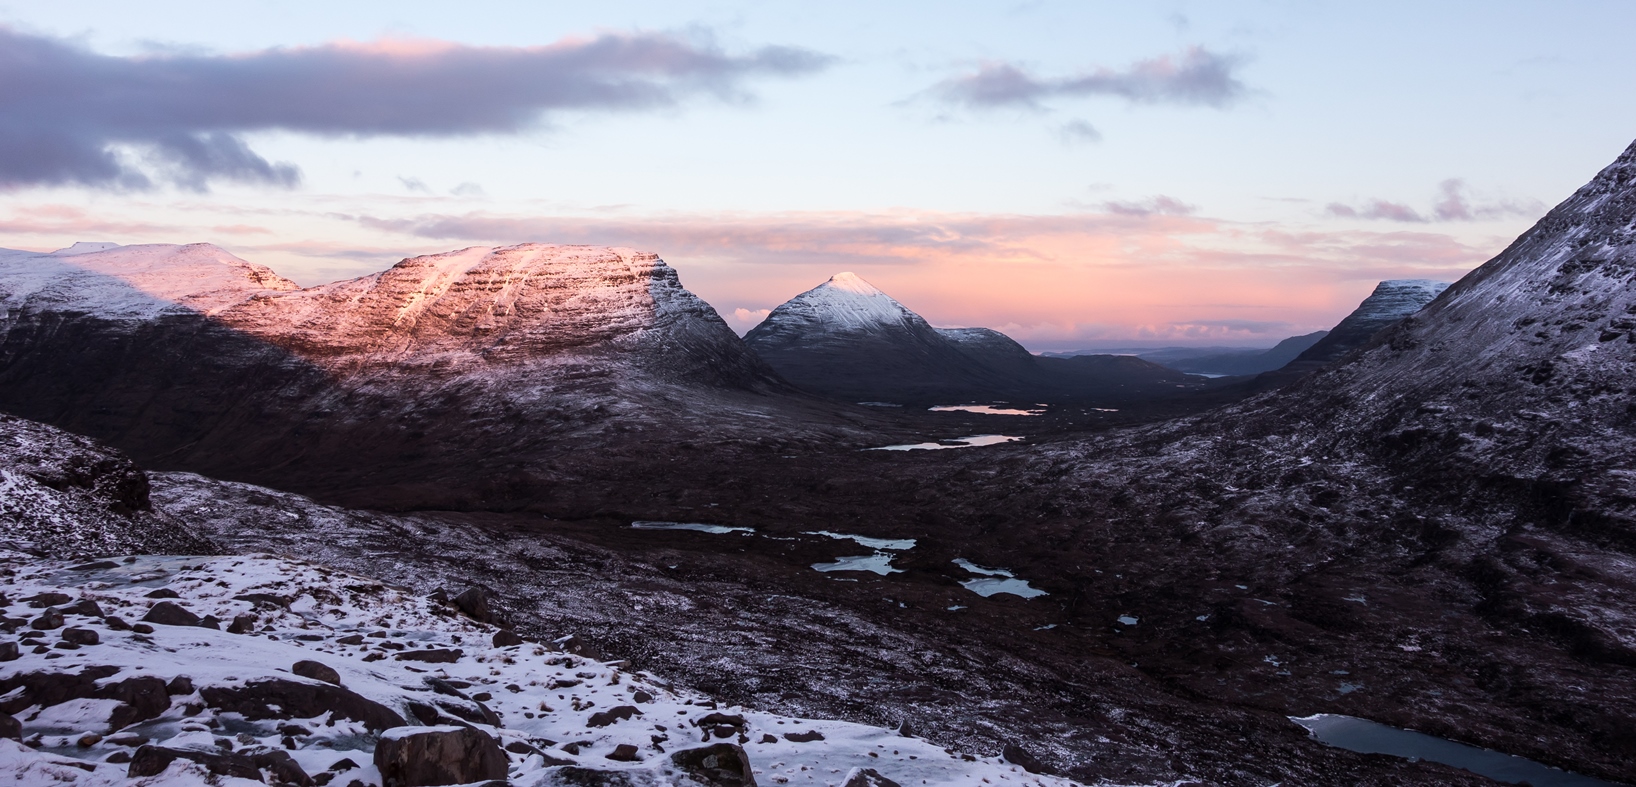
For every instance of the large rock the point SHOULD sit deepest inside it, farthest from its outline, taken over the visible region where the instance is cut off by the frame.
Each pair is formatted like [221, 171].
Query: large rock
[475, 603]
[720, 765]
[867, 777]
[169, 613]
[316, 671]
[141, 698]
[427, 756]
[150, 760]
[276, 698]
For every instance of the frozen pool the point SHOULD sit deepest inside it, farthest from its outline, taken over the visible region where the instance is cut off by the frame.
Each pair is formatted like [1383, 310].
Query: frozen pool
[983, 409]
[879, 563]
[995, 581]
[958, 442]
[984, 570]
[694, 526]
[1368, 737]
[993, 586]
[897, 544]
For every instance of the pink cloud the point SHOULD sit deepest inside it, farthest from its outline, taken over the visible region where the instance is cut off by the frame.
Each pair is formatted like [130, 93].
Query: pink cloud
[1047, 280]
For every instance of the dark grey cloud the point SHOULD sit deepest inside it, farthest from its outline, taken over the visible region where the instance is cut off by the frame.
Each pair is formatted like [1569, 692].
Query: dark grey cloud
[70, 115]
[1195, 77]
[1451, 203]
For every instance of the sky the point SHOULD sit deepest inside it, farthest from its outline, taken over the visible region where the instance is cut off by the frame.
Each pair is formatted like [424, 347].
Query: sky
[1080, 175]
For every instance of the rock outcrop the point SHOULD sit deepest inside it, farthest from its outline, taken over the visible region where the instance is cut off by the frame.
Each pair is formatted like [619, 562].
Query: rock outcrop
[66, 495]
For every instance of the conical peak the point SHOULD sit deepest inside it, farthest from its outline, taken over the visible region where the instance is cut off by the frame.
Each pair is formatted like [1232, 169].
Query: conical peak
[848, 281]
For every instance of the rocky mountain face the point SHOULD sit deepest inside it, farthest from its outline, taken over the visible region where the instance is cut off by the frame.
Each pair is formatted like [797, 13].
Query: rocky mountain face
[1434, 532]
[1391, 301]
[448, 380]
[846, 339]
[62, 495]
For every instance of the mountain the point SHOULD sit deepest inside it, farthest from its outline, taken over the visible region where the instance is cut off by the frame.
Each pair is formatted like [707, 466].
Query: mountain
[1391, 301]
[1446, 512]
[848, 340]
[1237, 362]
[450, 380]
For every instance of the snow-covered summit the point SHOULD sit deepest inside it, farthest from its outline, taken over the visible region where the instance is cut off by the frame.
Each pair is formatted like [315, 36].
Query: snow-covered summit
[85, 247]
[1392, 300]
[133, 282]
[844, 304]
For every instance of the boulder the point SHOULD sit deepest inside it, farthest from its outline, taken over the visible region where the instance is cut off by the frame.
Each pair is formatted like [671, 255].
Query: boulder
[257, 700]
[141, 698]
[624, 752]
[611, 715]
[8, 651]
[10, 727]
[42, 600]
[804, 737]
[719, 765]
[505, 638]
[80, 636]
[1016, 755]
[47, 620]
[579, 647]
[283, 767]
[867, 777]
[150, 760]
[475, 603]
[163, 593]
[431, 655]
[166, 613]
[426, 756]
[85, 607]
[181, 684]
[242, 624]
[316, 671]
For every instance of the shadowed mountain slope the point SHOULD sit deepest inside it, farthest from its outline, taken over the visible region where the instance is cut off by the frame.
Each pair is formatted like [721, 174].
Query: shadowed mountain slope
[846, 339]
[450, 380]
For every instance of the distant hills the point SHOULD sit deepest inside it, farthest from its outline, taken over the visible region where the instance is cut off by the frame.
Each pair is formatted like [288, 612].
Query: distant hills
[846, 339]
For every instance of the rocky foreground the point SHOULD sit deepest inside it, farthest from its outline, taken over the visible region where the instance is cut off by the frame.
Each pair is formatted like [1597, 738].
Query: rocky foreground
[165, 670]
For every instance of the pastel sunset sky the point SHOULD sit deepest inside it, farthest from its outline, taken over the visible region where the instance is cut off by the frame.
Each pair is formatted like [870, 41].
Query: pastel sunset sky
[1077, 174]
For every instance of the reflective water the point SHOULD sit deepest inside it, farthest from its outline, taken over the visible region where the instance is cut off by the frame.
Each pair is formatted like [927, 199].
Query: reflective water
[879, 563]
[991, 586]
[983, 409]
[1368, 737]
[958, 442]
[984, 570]
[694, 526]
[898, 544]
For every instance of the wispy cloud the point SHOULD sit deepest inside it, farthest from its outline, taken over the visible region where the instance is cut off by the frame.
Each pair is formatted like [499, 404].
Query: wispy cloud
[72, 116]
[1197, 77]
[1452, 203]
[1153, 206]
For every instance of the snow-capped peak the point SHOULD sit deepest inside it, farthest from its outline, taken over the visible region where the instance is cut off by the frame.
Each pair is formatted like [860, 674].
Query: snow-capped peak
[846, 303]
[847, 281]
[84, 247]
